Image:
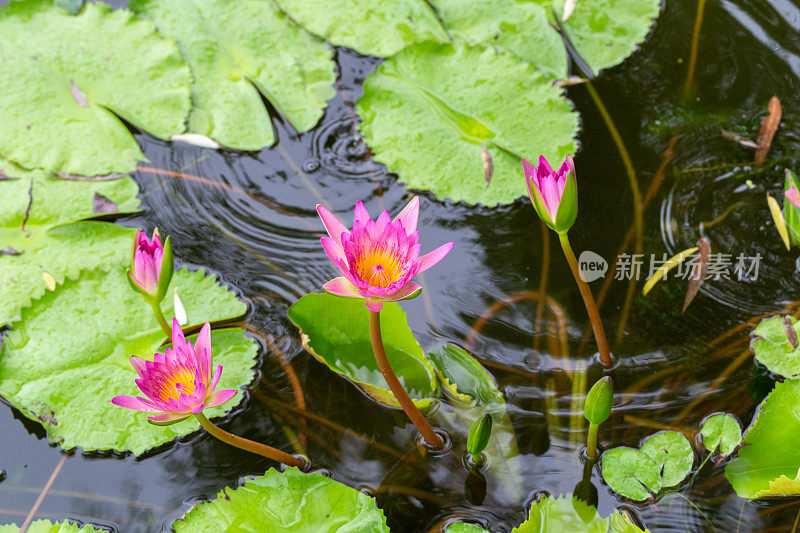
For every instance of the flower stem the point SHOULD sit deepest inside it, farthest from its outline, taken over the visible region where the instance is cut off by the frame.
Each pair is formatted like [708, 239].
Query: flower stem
[588, 301]
[245, 444]
[591, 443]
[399, 392]
[160, 318]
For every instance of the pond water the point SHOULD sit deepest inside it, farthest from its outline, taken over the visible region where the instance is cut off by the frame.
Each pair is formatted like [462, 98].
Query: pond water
[251, 220]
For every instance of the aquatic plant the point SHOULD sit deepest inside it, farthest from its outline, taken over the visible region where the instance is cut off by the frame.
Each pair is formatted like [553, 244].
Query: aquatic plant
[597, 410]
[151, 271]
[379, 258]
[179, 383]
[554, 195]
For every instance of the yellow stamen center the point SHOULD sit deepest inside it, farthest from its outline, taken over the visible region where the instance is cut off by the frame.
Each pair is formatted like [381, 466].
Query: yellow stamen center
[379, 267]
[181, 382]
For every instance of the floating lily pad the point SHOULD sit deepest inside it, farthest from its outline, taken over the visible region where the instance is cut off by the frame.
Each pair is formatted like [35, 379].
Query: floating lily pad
[65, 79]
[663, 460]
[428, 112]
[39, 233]
[773, 348]
[769, 460]
[379, 28]
[335, 331]
[568, 513]
[463, 527]
[286, 501]
[68, 356]
[721, 431]
[46, 526]
[476, 394]
[239, 51]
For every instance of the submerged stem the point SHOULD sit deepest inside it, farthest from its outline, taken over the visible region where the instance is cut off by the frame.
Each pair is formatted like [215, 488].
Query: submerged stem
[160, 318]
[246, 444]
[396, 387]
[588, 301]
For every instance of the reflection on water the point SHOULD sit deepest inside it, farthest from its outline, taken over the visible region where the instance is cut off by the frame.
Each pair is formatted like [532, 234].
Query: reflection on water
[250, 217]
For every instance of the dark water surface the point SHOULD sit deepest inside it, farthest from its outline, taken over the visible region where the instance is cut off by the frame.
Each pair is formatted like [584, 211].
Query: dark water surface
[749, 51]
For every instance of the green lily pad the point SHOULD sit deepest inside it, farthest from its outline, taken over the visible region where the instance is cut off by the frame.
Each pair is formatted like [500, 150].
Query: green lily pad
[287, 501]
[605, 32]
[64, 77]
[463, 527]
[768, 463]
[39, 232]
[721, 431]
[335, 331]
[68, 356]
[476, 394]
[434, 99]
[568, 513]
[238, 52]
[773, 348]
[379, 28]
[663, 460]
[46, 526]
[631, 473]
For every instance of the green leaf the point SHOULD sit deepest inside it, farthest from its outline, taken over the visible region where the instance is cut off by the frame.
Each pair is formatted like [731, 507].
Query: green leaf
[721, 431]
[46, 526]
[672, 453]
[791, 214]
[65, 78]
[476, 395]
[463, 527]
[568, 513]
[39, 232]
[605, 32]
[428, 111]
[380, 29]
[68, 356]
[239, 51]
[631, 473]
[287, 501]
[335, 331]
[773, 348]
[769, 460]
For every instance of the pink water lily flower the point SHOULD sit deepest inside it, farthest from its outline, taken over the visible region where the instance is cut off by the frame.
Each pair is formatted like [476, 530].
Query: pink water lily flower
[793, 196]
[179, 382]
[377, 257]
[151, 265]
[554, 194]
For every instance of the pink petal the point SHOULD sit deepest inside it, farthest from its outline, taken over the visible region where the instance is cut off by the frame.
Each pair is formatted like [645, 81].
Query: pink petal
[138, 364]
[133, 403]
[332, 224]
[793, 196]
[361, 214]
[409, 216]
[167, 417]
[408, 290]
[544, 167]
[431, 258]
[178, 340]
[220, 397]
[374, 304]
[333, 249]
[530, 173]
[202, 348]
[341, 287]
[215, 380]
[199, 408]
[383, 221]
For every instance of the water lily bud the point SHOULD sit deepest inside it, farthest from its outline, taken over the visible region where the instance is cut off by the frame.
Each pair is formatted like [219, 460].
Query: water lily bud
[554, 194]
[152, 265]
[599, 400]
[479, 434]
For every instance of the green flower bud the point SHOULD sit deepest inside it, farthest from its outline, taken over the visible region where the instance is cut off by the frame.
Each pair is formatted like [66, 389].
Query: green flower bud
[479, 434]
[599, 400]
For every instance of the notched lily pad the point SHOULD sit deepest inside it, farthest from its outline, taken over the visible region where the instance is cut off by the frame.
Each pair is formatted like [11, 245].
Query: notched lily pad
[663, 460]
[43, 228]
[721, 431]
[46, 526]
[239, 51]
[286, 501]
[568, 513]
[445, 99]
[67, 77]
[775, 345]
[68, 356]
[768, 463]
[335, 331]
